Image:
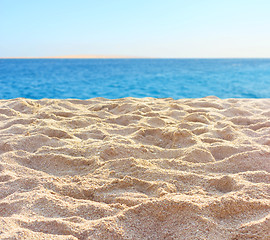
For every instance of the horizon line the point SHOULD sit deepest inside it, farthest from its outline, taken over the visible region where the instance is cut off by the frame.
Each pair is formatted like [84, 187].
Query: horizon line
[76, 57]
[125, 57]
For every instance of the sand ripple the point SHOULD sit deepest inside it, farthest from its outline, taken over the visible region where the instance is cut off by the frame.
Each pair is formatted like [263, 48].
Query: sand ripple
[135, 169]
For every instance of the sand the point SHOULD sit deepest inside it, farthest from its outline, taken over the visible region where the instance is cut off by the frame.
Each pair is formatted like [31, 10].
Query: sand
[135, 169]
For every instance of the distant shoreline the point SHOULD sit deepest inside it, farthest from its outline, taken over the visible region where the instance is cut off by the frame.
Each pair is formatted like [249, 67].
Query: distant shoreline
[76, 57]
[126, 57]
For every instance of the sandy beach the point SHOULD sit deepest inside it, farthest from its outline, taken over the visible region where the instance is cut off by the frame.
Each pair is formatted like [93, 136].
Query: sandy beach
[135, 169]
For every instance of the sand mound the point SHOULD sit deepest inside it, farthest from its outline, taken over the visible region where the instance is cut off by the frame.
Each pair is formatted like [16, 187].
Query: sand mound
[135, 169]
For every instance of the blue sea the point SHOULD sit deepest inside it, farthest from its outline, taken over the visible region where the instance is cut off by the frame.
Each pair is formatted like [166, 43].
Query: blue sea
[118, 78]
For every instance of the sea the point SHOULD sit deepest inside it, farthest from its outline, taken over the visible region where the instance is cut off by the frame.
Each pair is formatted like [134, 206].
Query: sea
[119, 78]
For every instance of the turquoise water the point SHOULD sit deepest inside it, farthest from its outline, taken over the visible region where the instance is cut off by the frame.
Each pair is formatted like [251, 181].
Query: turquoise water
[117, 78]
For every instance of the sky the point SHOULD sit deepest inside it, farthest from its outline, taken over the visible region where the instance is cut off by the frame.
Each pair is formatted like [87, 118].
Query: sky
[139, 28]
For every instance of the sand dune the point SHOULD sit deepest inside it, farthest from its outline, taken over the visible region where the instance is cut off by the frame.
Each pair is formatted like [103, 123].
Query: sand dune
[135, 169]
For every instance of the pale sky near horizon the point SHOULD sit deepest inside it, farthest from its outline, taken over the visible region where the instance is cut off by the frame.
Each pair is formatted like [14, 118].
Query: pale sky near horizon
[143, 28]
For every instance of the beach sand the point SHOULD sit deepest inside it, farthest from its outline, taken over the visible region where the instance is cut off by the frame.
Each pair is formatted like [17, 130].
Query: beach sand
[135, 169]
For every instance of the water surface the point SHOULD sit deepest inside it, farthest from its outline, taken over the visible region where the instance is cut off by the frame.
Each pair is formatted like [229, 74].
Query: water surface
[117, 78]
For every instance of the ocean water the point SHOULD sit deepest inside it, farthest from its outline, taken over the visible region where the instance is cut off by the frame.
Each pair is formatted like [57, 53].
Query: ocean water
[118, 78]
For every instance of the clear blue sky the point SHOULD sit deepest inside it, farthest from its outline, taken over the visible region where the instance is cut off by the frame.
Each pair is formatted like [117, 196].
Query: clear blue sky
[150, 28]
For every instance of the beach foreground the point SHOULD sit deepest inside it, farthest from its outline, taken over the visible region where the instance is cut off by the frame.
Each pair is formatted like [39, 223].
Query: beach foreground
[135, 169]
